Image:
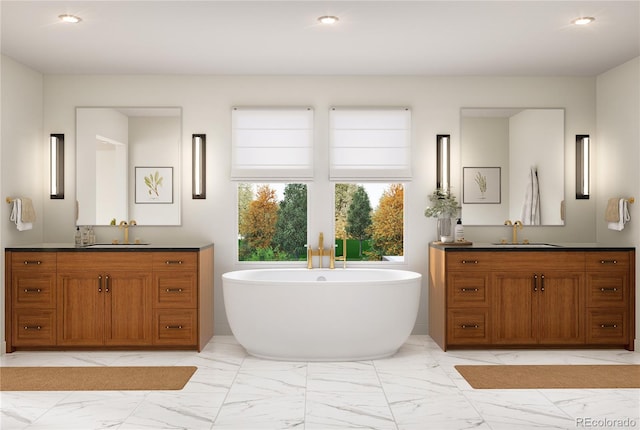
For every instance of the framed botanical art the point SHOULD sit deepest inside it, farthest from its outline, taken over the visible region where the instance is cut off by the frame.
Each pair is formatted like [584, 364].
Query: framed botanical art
[481, 185]
[154, 184]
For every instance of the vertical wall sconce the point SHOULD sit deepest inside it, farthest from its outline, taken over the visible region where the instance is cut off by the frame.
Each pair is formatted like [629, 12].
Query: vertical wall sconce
[198, 172]
[582, 166]
[443, 175]
[56, 157]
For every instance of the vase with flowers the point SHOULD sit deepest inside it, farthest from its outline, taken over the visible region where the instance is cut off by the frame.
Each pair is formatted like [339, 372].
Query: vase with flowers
[445, 208]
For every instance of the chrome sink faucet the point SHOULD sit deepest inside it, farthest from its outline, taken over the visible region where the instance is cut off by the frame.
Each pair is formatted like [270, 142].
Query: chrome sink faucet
[515, 226]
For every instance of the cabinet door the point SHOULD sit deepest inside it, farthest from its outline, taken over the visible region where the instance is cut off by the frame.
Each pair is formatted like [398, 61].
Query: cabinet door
[561, 308]
[80, 308]
[127, 309]
[513, 308]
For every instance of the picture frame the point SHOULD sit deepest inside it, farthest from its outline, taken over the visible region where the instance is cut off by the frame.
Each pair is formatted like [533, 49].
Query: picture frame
[481, 185]
[154, 185]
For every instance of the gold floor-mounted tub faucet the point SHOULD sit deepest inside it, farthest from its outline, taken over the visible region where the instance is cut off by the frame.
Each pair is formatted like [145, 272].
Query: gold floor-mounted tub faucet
[320, 253]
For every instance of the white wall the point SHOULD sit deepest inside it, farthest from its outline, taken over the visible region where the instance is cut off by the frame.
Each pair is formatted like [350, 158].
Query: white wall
[207, 102]
[617, 149]
[535, 146]
[24, 173]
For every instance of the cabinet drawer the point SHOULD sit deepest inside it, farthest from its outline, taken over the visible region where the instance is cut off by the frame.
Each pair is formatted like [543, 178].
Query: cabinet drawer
[607, 260]
[104, 261]
[467, 289]
[469, 260]
[33, 289]
[33, 261]
[34, 327]
[467, 327]
[175, 327]
[187, 261]
[607, 326]
[539, 261]
[175, 290]
[607, 289]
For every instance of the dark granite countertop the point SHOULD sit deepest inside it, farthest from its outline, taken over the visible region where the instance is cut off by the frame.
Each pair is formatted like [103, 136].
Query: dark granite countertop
[536, 246]
[107, 247]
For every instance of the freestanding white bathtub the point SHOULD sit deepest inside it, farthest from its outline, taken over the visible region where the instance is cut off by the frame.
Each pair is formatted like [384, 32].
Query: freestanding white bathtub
[321, 314]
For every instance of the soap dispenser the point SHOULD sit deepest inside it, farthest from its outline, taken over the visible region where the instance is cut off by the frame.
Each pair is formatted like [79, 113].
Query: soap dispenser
[78, 237]
[459, 231]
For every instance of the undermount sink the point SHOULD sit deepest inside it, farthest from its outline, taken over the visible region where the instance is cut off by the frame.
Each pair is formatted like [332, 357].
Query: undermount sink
[525, 245]
[118, 245]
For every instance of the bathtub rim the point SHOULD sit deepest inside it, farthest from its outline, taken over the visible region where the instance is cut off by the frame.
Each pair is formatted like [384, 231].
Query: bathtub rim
[233, 275]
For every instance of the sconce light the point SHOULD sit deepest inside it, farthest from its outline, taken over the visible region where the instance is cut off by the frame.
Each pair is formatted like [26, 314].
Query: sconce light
[443, 175]
[56, 156]
[582, 166]
[198, 172]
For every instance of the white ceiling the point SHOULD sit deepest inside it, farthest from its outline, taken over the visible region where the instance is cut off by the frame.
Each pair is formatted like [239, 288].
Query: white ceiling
[514, 38]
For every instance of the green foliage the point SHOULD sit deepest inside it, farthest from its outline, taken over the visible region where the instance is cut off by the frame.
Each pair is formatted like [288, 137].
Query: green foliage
[443, 203]
[359, 215]
[267, 254]
[343, 197]
[291, 228]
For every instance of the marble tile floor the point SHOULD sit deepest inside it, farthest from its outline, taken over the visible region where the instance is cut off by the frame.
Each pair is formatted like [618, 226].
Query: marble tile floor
[418, 388]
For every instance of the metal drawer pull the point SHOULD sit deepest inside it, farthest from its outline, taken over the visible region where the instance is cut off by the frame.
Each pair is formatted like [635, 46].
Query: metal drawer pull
[99, 283]
[32, 262]
[173, 327]
[611, 290]
[471, 326]
[469, 261]
[106, 283]
[173, 262]
[32, 327]
[174, 290]
[33, 290]
[468, 290]
[608, 261]
[535, 282]
[541, 282]
[608, 325]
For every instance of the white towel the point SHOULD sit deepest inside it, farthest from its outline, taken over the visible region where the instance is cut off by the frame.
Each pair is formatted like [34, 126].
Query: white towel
[16, 216]
[625, 217]
[531, 208]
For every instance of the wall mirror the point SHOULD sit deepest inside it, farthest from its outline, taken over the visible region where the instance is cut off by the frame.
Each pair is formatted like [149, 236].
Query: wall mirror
[512, 166]
[128, 165]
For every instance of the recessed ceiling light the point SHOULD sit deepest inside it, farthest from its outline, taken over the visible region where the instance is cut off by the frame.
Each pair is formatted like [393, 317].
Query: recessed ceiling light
[328, 19]
[71, 19]
[583, 20]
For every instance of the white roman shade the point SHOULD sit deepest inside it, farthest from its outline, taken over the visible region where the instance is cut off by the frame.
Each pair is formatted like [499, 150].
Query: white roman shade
[370, 144]
[272, 143]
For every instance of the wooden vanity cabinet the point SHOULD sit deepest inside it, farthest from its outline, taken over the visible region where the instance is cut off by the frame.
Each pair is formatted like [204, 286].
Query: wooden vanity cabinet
[531, 298]
[113, 299]
[175, 298]
[609, 316]
[32, 297]
[538, 298]
[104, 301]
[468, 298]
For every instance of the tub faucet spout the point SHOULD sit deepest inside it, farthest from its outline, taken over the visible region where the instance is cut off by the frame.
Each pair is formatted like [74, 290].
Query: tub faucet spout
[320, 252]
[342, 258]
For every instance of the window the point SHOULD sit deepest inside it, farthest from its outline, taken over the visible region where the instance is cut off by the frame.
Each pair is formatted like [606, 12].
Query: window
[371, 216]
[370, 144]
[272, 222]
